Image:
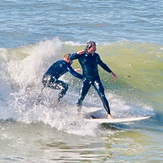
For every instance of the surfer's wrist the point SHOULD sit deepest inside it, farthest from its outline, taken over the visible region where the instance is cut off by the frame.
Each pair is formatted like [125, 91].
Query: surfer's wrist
[114, 75]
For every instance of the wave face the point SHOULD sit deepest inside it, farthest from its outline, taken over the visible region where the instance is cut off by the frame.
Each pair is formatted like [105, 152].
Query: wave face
[137, 91]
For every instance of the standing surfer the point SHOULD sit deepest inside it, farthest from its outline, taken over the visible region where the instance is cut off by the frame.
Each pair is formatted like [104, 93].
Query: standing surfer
[89, 61]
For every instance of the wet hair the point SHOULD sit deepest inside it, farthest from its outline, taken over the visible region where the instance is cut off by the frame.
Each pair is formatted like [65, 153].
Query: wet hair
[89, 45]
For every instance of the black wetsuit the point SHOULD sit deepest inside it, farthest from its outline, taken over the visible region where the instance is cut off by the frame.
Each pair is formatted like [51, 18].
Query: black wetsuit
[89, 64]
[50, 78]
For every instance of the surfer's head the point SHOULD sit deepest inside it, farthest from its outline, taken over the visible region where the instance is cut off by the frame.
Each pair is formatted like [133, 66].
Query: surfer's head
[67, 58]
[90, 46]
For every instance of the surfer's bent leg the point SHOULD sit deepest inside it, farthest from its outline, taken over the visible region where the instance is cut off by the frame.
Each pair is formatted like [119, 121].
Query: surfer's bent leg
[100, 90]
[51, 82]
[84, 91]
[60, 85]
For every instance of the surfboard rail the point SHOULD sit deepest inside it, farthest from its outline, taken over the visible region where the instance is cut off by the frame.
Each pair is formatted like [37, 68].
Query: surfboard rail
[116, 120]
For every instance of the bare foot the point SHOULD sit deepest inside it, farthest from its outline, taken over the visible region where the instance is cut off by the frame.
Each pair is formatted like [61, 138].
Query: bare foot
[110, 116]
[56, 104]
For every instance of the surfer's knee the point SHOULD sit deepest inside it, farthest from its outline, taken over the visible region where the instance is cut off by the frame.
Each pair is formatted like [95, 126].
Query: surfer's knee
[63, 91]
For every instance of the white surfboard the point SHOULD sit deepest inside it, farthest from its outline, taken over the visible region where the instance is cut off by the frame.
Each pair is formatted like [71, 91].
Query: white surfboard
[116, 120]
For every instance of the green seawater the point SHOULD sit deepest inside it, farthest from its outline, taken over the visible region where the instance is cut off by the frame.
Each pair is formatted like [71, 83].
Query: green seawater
[139, 70]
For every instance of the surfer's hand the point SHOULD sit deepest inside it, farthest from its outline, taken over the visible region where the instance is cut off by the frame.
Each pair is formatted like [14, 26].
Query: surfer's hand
[114, 75]
[80, 52]
[78, 70]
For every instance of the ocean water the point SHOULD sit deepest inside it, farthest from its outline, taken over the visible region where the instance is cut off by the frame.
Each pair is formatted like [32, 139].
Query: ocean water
[34, 34]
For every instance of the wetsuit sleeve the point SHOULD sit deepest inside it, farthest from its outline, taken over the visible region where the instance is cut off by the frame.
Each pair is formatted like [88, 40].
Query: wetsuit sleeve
[74, 73]
[74, 56]
[103, 65]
